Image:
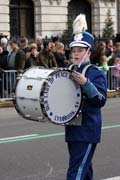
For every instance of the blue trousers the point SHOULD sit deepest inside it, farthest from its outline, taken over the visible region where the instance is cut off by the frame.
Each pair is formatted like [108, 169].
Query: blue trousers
[80, 162]
[1, 88]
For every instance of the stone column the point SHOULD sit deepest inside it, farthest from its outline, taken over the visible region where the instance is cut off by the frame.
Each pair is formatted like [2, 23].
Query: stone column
[4, 17]
[37, 17]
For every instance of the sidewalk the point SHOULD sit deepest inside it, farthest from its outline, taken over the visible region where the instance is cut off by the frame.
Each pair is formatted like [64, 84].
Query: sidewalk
[113, 94]
[8, 103]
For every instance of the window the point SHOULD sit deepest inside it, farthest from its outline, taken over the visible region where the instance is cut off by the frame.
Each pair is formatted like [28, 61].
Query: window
[21, 18]
[76, 7]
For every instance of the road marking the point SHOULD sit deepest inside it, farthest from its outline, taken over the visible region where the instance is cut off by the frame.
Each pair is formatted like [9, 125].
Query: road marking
[27, 138]
[111, 126]
[112, 178]
[16, 137]
[38, 136]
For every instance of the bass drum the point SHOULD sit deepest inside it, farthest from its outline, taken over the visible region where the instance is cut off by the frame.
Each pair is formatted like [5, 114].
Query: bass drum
[51, 94]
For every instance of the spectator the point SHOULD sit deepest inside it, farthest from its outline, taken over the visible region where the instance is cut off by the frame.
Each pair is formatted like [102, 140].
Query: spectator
[55, 39]
[109, 47]
[67, 52]
[109, 51]
[16, 59]
[32, 56]
[3, 66]
[3, 59]
[39, 42]
[52, 47]
[116, 73]
[24, 45]
[98, 53]
[60, 55]
[99, 57]
[116, 48]
[46, 56]
[4, 43]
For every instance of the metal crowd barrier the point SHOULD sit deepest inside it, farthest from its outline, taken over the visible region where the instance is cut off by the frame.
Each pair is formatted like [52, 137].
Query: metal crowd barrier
[8, 78]
[113, 82]
[7, 81]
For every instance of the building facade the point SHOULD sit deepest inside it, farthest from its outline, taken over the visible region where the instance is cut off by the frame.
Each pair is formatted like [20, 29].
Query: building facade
[31, 18]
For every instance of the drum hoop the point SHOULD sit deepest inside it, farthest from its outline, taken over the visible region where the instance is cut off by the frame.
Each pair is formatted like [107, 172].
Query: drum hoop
[42, 104]
[15, 99]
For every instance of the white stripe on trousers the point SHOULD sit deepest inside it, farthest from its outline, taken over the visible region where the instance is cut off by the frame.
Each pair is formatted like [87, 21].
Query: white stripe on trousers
[83, 162]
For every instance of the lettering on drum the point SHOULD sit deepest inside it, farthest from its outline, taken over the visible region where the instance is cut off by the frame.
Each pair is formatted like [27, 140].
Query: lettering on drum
[47, 108]
[46, 104]
[64, 118]
[58, 75]
[50, 90]
[46, 91]
[61, 74]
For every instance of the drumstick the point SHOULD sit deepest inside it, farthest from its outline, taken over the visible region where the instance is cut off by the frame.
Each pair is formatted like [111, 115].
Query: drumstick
[83, 57]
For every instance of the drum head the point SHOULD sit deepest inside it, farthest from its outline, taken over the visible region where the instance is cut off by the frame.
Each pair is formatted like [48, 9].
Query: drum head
[62, 97]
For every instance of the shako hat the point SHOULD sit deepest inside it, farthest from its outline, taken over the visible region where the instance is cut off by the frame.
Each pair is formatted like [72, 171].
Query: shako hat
[84, 39]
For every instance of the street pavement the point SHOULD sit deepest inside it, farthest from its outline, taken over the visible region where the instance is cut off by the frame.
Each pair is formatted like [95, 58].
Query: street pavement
[37, 151]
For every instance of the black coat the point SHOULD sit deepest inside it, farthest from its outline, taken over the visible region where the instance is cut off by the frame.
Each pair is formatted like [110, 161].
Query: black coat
[3, 61]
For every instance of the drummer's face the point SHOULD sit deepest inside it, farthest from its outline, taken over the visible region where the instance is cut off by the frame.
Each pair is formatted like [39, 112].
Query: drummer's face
[78, 54]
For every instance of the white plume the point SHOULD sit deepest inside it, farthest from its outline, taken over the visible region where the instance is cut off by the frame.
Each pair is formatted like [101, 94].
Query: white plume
[79, 24]
[4, 40]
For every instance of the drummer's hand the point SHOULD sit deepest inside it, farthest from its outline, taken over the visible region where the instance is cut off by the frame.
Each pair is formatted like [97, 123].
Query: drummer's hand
[80, 78]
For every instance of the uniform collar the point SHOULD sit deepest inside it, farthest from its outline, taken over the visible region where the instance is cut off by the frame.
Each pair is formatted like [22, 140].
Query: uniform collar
[79, 69]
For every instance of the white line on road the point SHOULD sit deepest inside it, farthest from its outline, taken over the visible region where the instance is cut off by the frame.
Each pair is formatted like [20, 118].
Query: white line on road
[38, 136]
[112, 178]
[16, 137]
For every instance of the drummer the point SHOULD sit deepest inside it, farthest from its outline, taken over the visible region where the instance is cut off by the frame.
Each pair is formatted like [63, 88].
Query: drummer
[83, 139]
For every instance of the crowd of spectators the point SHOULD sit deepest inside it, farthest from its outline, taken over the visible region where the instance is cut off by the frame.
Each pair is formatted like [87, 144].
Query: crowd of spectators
[106, 54]
[22, 54]
[19, 55]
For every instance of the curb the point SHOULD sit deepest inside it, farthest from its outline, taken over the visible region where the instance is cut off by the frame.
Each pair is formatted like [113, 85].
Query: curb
[113, 94]
[5, 104]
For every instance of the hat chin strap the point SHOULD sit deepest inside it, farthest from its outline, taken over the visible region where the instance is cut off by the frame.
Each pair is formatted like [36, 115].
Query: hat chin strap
[83, 57]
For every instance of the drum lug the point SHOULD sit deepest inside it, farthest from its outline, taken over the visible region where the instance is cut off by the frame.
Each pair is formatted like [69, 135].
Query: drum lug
[41, 119]
[41, 100]
[13, 96]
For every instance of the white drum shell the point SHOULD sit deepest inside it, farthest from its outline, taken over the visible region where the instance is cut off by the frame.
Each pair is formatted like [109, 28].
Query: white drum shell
[28, 92]
[48, 93]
